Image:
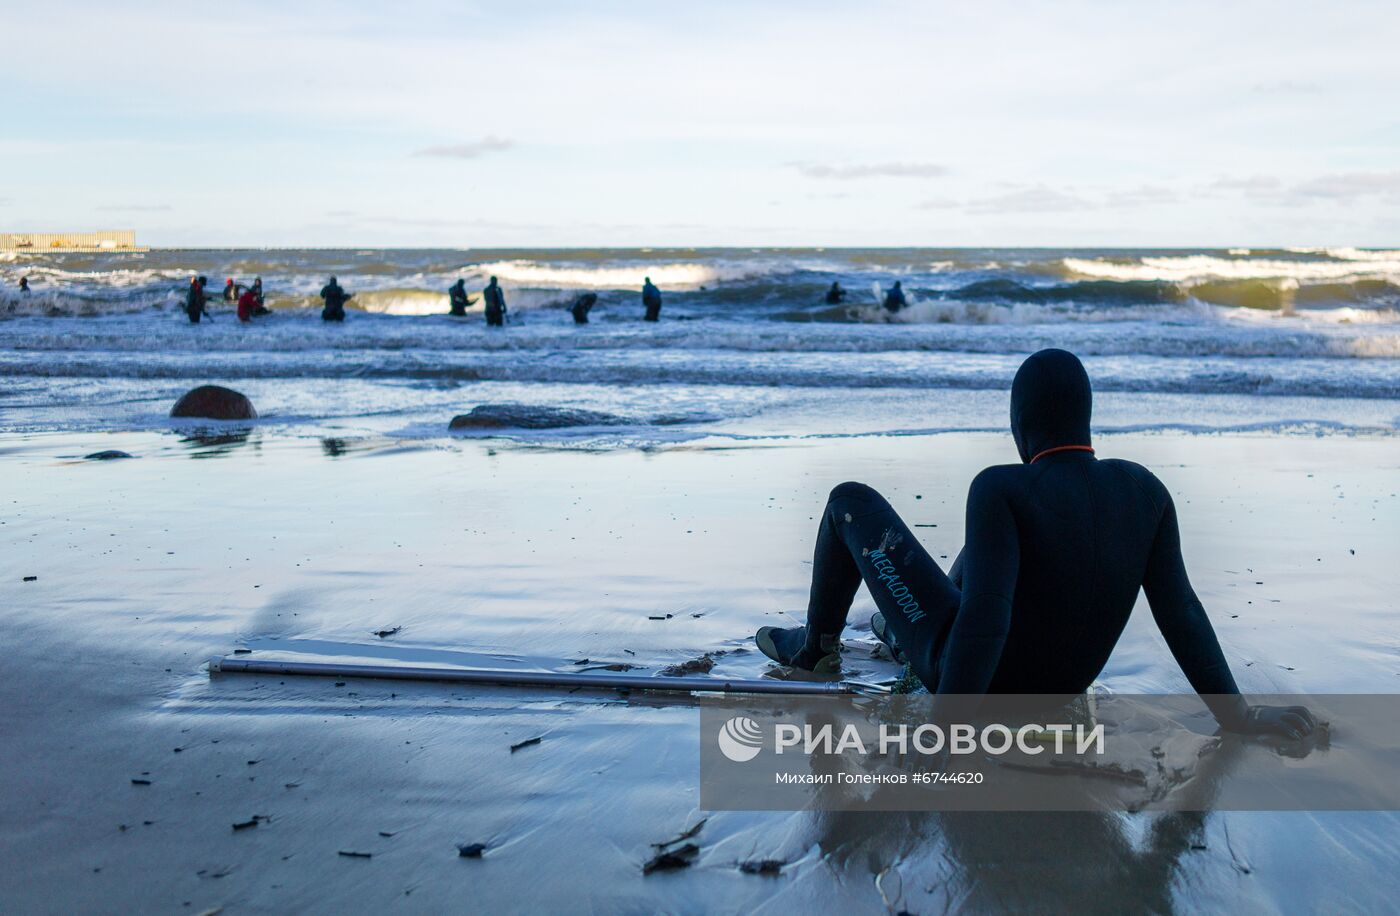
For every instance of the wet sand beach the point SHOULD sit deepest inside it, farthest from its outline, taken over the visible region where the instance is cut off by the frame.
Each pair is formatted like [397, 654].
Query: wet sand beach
[135, 782]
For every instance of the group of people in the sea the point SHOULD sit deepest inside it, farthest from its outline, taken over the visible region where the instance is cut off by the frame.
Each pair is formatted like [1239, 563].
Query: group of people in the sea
[249, 299]
[495, 302]
[251, 303]
[894, 296]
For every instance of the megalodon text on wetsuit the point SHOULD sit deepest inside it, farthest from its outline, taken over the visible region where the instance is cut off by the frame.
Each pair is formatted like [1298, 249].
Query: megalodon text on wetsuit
[898, 590]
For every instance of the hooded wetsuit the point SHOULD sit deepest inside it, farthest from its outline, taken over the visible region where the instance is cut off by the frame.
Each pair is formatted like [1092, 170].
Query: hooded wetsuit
[1056, 550]
[581, 307]
[457, 296]
[495, 300]
[335, 297]
[194, 302]
[651, 299]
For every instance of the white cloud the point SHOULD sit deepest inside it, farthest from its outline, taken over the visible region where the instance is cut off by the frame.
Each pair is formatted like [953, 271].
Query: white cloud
[870, 170]
[939, 203]
[1349, 186]
[1145, 195]
[1254, 184]
[1038, 199]
[1335, 187]
[473, 150]
[1286, 87]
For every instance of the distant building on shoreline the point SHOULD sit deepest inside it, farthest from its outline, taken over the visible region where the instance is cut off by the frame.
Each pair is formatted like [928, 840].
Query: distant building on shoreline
[57, 242]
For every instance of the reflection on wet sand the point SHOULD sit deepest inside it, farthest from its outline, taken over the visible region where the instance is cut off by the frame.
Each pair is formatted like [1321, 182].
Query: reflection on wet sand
[215, 443]
[334, 448]
[1058, 861]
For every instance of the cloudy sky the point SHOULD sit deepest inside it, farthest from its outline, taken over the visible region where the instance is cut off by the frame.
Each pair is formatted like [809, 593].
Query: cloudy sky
[744, 123]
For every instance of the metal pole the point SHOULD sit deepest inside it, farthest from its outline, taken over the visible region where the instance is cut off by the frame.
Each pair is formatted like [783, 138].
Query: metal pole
[530, 678]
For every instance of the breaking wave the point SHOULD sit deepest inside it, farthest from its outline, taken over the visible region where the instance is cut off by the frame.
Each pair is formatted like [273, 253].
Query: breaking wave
[1200, 267]
[675, 276]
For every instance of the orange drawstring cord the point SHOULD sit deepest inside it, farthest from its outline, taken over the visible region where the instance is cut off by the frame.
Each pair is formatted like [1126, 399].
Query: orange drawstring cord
[1062, 448]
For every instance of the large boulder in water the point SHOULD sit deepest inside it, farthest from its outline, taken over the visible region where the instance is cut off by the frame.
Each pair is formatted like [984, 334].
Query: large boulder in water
[214, 402]
[530, 416]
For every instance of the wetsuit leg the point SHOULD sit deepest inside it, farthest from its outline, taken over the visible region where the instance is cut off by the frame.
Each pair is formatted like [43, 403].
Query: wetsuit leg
[862, 539]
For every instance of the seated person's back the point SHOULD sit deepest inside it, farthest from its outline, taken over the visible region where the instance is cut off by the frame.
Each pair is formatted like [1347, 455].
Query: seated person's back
[1088, 535]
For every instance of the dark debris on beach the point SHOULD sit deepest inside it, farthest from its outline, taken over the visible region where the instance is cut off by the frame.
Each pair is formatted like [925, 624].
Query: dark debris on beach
[686, 835]
[681, 857]
[701, 665]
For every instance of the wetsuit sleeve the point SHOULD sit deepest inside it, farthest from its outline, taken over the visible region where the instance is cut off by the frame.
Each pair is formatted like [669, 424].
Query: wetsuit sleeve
[990, 561]
[1183, 621]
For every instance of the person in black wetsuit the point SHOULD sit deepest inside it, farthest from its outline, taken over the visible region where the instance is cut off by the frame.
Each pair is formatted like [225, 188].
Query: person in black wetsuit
[651, 299]
[836, 295]
[195, 300]
[495, 300]
[457, 295]
[24, 285]
[1057, 548]
[894, 298]
[231, 292]
[335, 297]
[261, 304]
[581, 307]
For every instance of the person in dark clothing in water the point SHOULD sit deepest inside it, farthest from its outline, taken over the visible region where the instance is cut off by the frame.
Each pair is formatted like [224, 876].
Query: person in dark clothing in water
[894, 298]
[457, 295]
[24, 284]
[335, 297]
[651, 299]
[836, 295]
[231, 290]
[581, 307]
[1056, 550]
[495, 301]
[195, 300]
[259, 304]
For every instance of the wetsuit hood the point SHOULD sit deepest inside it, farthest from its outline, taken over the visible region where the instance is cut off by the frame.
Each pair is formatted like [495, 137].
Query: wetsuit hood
[1051, 401]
